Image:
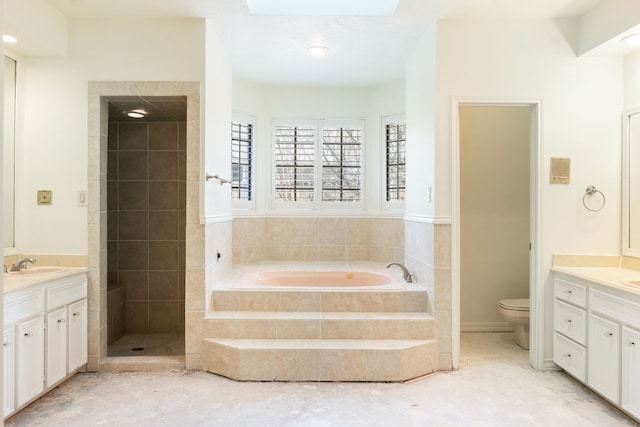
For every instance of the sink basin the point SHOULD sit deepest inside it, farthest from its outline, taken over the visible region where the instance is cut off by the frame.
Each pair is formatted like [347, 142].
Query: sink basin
[36, 271]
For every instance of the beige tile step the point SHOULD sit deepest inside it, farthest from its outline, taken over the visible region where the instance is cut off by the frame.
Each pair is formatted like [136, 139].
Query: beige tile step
[317, 325]
[330, 301]
[319, 360]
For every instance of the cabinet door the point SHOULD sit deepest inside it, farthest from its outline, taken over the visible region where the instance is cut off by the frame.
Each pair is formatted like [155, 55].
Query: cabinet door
[8, 384]
[604, 353]
[56, 346]
[631, 371]
[29, 360]
[77, 353]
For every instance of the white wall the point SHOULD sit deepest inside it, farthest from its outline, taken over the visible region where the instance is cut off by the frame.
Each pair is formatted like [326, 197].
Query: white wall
[421, 168]
[217, 127]
[494, 212]
[581, 104]
[270, 102]
[53, 150]
[632, 80]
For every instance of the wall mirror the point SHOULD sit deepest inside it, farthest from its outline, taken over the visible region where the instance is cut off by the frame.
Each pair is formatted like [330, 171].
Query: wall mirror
[631, 183]
[8, 154]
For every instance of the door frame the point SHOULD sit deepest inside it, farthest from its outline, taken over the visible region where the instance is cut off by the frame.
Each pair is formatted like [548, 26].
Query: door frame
[536, 283]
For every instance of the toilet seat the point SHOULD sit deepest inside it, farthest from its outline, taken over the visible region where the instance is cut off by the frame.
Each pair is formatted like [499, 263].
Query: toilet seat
[517, 304]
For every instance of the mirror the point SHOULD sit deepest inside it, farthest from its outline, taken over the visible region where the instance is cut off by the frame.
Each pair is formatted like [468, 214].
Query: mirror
[8, 152]
[631, 183]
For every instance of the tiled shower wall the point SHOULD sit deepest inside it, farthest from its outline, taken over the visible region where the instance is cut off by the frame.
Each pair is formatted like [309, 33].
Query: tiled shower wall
[317, 239]
[146, 223]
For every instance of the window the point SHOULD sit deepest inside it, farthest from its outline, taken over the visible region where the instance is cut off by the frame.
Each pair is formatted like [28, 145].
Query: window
[318, 164]
[395, 142]
[242, 160]
[295, 163]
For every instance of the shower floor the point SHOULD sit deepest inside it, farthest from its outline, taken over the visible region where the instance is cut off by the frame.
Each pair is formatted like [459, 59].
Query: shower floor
[147, 345]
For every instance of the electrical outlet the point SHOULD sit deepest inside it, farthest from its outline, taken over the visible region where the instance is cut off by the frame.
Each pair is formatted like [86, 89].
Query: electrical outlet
[45, 197]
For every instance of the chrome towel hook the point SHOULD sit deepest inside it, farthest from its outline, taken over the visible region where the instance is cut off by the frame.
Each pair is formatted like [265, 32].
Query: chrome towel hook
[591, 191]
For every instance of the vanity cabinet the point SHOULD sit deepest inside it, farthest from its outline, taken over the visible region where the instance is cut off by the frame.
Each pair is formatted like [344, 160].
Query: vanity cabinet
[8, 352]
[45, 337]
[597, 338]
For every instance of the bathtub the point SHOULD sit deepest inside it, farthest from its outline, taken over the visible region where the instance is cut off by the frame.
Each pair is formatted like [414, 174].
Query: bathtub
[316, 280]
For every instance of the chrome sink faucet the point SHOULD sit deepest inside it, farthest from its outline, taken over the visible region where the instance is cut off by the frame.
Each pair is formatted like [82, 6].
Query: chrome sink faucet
[408, 277]
[22, 264]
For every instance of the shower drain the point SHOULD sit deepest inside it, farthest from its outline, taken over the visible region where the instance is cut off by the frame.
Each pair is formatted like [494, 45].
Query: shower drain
[137, 349]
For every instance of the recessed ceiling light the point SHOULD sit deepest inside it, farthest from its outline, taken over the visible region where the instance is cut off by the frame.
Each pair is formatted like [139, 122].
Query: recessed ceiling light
[136, 114]
[632, 40]
[318, 50]
[9, 39]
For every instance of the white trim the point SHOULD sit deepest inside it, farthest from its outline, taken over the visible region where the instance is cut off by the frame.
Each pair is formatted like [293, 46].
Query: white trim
[536, 287]
[486, 327]
[313, 213]
[429, 219]
[212, 219]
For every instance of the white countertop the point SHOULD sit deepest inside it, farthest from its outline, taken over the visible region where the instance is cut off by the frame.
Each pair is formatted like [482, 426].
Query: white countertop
[617, 278]
[13, 282]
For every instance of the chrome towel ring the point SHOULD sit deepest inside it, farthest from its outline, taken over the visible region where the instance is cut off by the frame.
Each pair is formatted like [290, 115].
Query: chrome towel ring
[591, 191]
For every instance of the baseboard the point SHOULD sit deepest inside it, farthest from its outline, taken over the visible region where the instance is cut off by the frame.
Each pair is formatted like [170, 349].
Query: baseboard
[549, 365]
[486, 327]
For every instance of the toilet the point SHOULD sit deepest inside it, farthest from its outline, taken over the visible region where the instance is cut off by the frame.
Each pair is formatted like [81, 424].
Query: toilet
[516, 311]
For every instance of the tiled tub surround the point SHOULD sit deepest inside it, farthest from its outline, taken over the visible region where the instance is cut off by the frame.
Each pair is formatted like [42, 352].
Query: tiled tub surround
[317, 239]
[318, 335]
[146, 222]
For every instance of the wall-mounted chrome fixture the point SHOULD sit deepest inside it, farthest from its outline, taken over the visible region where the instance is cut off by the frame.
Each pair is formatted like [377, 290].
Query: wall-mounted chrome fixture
[222, 180]
[592, 191]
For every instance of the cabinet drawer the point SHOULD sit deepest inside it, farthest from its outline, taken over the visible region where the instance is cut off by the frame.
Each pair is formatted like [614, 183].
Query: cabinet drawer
[66, 293]
[23, 305]
[570, 321]
[614, 307]
[570, 292]
[570, 356]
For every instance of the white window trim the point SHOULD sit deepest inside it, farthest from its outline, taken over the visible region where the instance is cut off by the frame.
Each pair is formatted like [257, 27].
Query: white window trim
[318, 204]
[394, 205]
[252, 120]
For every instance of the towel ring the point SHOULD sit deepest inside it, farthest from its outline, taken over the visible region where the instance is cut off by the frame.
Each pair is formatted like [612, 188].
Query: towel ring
[590, 191]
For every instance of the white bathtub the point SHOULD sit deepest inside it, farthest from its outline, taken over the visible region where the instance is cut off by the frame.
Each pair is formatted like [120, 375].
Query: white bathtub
[316, 280]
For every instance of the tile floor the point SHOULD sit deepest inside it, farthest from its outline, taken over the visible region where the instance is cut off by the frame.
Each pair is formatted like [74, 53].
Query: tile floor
[494, 387]
[147, 345]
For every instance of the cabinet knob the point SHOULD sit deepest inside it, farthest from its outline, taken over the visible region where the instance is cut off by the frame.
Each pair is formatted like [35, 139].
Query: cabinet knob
[632, 343]
[569, 291]
[77, 313]
[27, 334]
[567, 355]
[60, 320]
[6, 344]
[568, 320]
[608, 334]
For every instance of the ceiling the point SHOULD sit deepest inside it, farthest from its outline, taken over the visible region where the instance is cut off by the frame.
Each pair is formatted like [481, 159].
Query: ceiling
[158, 108]
[363, 50]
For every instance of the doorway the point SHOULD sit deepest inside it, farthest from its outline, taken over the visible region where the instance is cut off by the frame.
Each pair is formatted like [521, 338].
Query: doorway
[146, 188]
[495, 216]
[98, 134]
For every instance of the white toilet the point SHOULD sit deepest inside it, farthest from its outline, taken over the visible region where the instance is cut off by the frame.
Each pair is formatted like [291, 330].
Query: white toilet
[516, 311]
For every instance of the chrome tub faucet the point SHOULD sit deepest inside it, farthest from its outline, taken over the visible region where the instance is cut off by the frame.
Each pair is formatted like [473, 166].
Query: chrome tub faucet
[408, 277]
[22, 264]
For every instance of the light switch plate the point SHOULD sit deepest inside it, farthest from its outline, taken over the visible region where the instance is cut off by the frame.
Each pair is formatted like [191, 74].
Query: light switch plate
[560, 170]
[45, 197]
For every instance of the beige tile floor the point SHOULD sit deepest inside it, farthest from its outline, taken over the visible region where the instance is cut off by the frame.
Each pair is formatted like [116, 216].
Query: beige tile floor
[147, 345]
[494, 387]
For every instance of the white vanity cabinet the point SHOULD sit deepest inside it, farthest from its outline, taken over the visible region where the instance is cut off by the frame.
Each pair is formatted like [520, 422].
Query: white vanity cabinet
[8, 347]
[570, 324]
[597, 338]
[45, 336]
